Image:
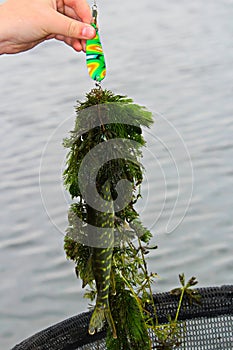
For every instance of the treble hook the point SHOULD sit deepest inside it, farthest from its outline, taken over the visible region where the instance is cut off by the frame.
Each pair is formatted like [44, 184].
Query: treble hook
[98, 85]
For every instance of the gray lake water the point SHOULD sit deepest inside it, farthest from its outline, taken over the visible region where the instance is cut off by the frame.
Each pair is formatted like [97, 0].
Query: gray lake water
[176, 58]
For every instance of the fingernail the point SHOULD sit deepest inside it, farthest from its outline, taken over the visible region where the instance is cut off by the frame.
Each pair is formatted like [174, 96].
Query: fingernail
[84, 46]
[88, 32]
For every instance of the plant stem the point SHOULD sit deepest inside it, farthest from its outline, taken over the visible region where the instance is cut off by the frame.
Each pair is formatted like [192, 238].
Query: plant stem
[179, 305]
[145, 271]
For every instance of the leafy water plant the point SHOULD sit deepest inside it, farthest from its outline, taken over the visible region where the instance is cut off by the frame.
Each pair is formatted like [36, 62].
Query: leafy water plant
[105, 237]
[169, 336]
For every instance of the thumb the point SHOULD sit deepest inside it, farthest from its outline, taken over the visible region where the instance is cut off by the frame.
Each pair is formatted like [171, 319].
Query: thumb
[59, 24]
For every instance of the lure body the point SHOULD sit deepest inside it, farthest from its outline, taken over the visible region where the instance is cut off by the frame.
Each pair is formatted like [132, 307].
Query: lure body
[95, 57]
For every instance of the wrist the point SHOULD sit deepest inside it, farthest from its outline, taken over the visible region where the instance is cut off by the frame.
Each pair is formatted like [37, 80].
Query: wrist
[3, 29]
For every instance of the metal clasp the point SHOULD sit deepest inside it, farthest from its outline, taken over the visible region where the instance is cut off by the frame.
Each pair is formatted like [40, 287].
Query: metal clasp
[94, 13]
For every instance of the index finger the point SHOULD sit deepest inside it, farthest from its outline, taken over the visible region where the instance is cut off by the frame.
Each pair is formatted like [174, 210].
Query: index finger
[81, 8]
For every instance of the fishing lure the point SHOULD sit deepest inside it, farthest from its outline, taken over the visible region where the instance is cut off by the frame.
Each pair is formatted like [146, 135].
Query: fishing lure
[94, 55]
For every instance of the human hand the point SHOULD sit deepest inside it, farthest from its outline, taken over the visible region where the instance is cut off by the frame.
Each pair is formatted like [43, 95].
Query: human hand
[26, 23]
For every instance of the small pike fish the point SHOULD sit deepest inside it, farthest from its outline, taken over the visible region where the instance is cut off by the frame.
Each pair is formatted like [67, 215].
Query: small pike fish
[101, 262]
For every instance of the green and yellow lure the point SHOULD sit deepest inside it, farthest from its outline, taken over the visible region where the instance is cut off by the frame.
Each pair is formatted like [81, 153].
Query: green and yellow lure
[95, 57]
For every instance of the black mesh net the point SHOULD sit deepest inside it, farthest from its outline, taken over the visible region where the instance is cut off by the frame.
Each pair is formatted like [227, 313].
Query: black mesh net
[205, 326]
